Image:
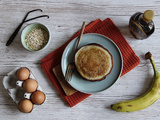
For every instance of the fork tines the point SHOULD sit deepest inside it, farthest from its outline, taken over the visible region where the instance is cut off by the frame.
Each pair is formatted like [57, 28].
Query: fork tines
[69, 72]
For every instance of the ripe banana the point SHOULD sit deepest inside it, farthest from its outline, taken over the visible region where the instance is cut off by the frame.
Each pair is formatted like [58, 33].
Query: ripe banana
[146, 99]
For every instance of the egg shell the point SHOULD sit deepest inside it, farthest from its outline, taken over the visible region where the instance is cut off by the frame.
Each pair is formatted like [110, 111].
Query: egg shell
[30, 85]
[23, 73]
[25, 106]
[38, 97]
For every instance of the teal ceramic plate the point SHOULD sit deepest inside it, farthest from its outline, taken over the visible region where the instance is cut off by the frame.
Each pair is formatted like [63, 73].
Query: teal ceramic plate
[77, 81]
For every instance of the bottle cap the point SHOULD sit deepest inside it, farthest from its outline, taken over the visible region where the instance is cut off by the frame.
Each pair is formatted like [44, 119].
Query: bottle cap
[148, 15]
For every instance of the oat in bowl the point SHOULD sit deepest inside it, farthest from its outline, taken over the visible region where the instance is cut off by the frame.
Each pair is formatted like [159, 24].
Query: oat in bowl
[35, 37]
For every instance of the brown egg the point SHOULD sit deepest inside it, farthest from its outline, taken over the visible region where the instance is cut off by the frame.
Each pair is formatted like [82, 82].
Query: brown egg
[25, 106]
[38, 97]
[23, 73]
[30, 85]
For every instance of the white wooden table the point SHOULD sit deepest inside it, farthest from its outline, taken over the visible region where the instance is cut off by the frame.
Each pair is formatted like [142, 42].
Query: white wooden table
[66, 17]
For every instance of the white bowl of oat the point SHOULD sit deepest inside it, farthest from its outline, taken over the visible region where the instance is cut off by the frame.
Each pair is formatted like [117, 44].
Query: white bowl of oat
[35, 37]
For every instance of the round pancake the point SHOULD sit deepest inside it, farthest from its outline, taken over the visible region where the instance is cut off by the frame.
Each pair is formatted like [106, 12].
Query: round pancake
[93, 62]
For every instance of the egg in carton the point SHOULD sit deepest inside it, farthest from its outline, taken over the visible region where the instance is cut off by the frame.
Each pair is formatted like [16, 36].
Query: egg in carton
[26, 93]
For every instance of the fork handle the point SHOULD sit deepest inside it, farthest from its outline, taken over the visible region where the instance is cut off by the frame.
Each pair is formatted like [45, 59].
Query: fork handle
[82, 30]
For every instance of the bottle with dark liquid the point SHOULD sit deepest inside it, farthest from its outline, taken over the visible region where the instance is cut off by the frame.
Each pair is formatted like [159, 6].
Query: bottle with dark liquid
[141, 25]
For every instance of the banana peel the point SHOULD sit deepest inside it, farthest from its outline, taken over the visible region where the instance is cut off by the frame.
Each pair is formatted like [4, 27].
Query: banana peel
[146, 99]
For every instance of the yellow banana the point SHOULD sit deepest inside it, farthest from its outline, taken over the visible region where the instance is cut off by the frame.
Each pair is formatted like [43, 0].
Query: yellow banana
[146, 99]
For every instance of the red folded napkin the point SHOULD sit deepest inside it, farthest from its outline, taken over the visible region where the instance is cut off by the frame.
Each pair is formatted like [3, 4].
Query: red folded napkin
[107, 28]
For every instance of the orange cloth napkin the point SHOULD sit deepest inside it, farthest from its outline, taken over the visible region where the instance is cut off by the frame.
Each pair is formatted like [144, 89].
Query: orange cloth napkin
[107, 28]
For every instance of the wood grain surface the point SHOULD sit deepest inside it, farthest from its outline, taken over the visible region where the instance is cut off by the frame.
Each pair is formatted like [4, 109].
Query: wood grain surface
[66, 17]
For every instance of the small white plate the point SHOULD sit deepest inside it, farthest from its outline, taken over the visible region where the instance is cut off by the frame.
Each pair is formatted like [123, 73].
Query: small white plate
[86, 86]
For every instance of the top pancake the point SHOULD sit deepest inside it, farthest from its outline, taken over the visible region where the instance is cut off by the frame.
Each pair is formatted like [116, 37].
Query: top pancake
[93, 62]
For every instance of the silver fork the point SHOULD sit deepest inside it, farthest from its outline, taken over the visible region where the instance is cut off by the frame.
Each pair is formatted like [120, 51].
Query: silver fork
[71, 66]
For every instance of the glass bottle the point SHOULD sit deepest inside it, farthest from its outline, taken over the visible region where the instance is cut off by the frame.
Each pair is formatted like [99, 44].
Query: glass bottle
[141, 25]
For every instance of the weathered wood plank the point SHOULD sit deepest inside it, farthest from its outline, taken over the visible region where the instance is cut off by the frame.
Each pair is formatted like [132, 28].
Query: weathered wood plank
[65, 19]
